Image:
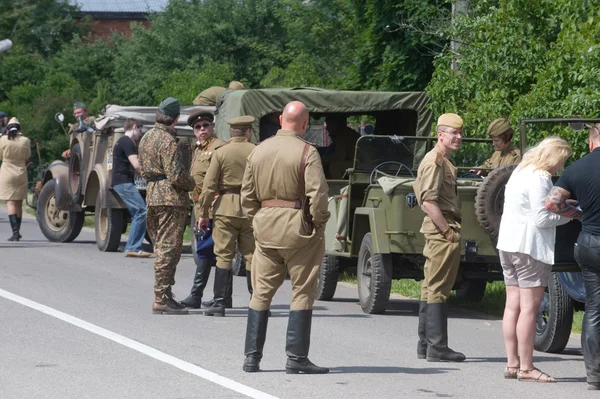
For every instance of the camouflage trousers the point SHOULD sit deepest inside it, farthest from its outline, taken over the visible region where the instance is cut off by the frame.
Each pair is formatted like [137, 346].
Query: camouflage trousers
[165, 225]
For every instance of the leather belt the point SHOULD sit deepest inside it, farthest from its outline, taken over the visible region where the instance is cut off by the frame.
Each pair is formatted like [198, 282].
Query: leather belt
[277, 203]
[235, 190]
[157, 178]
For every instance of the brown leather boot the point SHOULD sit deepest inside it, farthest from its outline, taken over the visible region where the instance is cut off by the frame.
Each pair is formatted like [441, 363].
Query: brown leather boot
[165, 304]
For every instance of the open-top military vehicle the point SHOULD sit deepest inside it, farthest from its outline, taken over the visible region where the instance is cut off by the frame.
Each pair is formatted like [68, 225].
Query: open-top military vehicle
[81, 186]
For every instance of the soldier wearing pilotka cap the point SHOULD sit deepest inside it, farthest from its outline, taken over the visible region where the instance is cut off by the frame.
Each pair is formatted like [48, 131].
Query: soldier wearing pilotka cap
[436, 192]
[506, 152]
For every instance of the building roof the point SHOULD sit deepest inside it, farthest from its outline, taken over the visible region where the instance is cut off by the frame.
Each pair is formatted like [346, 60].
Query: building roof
[120, 6]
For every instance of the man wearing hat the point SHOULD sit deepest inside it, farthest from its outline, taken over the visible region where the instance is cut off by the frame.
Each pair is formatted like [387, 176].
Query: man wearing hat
[168, 201]
[79, 110]
[231, 229]
[506, 152]
[3, 122]
[436, 192]
[206, 144]
[210, 96]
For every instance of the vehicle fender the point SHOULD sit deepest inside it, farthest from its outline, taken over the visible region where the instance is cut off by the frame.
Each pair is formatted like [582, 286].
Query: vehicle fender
[572, 282]
[59, 171]
[370, 220]
[98, 182]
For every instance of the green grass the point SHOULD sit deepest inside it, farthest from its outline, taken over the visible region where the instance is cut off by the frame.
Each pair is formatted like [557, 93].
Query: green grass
[492, 302]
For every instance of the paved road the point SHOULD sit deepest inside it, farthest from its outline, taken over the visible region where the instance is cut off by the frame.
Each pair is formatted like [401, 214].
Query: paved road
[77, 323]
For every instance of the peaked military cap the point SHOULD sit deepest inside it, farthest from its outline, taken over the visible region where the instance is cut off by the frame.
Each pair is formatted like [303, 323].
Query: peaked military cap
[199, 116]
[450, 120]
[169, 106]
[241, 122]
[235, 85]
[497, 127]
[78, 105]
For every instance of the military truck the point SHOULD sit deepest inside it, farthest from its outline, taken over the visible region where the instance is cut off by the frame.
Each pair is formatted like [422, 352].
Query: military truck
[82, 186]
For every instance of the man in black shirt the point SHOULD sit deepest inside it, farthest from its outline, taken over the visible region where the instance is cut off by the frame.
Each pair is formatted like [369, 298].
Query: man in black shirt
[580, 183]
[125, 165]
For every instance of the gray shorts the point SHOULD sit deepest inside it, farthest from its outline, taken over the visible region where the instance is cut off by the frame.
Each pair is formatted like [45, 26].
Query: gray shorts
[524, 271]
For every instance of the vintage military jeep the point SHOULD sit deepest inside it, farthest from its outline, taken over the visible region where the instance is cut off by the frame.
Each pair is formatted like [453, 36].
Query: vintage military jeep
[83, 184]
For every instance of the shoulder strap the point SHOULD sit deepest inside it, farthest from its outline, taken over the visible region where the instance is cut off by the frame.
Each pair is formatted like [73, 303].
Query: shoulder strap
[301, 192]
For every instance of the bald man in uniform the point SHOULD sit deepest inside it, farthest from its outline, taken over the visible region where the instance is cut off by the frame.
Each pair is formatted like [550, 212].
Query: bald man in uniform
[506, 152]
[281, 172]
[231, 227]
[437, 194]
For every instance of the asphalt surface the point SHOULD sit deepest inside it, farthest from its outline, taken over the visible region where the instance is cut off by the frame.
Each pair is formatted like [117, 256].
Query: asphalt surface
[77, 323]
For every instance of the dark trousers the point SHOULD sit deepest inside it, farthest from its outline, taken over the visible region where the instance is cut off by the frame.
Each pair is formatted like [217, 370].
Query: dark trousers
[205, 245]
[587, 254]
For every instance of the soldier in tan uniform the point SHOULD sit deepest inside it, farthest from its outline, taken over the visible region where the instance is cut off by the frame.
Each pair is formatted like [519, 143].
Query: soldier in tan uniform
[436, 191]
[211, 95]
[206, 144]
[281, 172]
[506, 152]
[167, 197]
[231, 228]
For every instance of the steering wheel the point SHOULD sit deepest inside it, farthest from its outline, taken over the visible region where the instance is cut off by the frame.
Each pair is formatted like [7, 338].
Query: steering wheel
[376, 171]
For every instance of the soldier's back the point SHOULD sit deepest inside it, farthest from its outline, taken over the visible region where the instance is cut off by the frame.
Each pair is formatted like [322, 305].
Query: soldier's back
[233, 157]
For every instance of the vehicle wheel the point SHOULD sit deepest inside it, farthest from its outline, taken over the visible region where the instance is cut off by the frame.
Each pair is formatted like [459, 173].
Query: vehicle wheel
[328, 277]
[374, 273]
[554, 318]
[489, 201]
[108, 224]
[56, 225]
[239, 264]
[147, 238]
[472, 290]
[75, 174]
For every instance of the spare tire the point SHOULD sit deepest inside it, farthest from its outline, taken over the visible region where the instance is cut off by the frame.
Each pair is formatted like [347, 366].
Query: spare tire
[76, 174]
[489, 201]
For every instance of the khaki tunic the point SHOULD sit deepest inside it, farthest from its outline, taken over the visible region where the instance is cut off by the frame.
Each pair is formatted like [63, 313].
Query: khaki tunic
[436, 182]
[508, 156]
[281, 248]
[13, 172]
[209, 96]
[200, 163]
[230, 226]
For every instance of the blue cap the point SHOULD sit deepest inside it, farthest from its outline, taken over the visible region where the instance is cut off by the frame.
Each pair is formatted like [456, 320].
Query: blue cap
[3, 115]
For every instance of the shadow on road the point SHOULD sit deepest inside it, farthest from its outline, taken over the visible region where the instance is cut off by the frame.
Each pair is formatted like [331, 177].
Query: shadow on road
[388, 370]
[502, 359]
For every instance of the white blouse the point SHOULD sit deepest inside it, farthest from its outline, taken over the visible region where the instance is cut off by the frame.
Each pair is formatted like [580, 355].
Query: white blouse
[526, 226]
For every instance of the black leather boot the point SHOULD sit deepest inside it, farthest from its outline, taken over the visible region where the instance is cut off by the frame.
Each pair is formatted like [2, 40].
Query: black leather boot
[194, 300]
[437, 335]
[256, 333]
[13, 225]
[298, 344]
[222, 278]
[19, 227]
[228, 296]
[422, 330]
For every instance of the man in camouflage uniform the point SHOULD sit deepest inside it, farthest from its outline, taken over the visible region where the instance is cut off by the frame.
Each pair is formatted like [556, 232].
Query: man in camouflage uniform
[168, 201]
[436, 190]
[231, 228]
[206, 144]
[506, 152]
[211, 96]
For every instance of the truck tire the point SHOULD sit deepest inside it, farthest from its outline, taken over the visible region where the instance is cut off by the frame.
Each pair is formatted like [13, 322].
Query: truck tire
[239, 264]
[554, 319]
[472, 290]
[374, 274]
[489, 200]
[76, 174]
[108, 225]
[328, 277]
[57, 226]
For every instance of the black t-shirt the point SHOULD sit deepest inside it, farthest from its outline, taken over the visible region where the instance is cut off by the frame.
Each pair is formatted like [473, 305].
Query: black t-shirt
[582, 180]
[122, 171]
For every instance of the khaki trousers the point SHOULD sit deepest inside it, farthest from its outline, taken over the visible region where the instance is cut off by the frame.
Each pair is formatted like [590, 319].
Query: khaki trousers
[270, 266]
[442, 259]
[228, 234]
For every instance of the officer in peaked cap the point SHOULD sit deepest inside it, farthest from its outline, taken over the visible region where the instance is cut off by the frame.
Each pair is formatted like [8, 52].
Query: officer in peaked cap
[231, 228]
[506, 152]
[436, 192]
[206, 144]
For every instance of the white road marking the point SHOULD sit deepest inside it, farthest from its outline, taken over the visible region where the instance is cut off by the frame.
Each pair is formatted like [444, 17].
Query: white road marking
[137, 346]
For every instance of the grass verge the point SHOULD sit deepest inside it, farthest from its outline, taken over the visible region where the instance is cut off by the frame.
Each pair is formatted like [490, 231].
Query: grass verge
[492, 302]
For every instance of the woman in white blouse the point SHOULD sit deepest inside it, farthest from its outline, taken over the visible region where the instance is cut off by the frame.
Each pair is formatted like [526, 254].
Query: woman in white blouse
[526, 248]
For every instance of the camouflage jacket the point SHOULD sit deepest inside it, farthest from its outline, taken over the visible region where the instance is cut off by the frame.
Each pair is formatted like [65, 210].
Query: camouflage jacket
[159, 157]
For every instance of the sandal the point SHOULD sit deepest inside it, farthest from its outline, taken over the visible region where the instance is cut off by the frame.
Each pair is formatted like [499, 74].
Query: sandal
[510, 372]
[547, 377]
